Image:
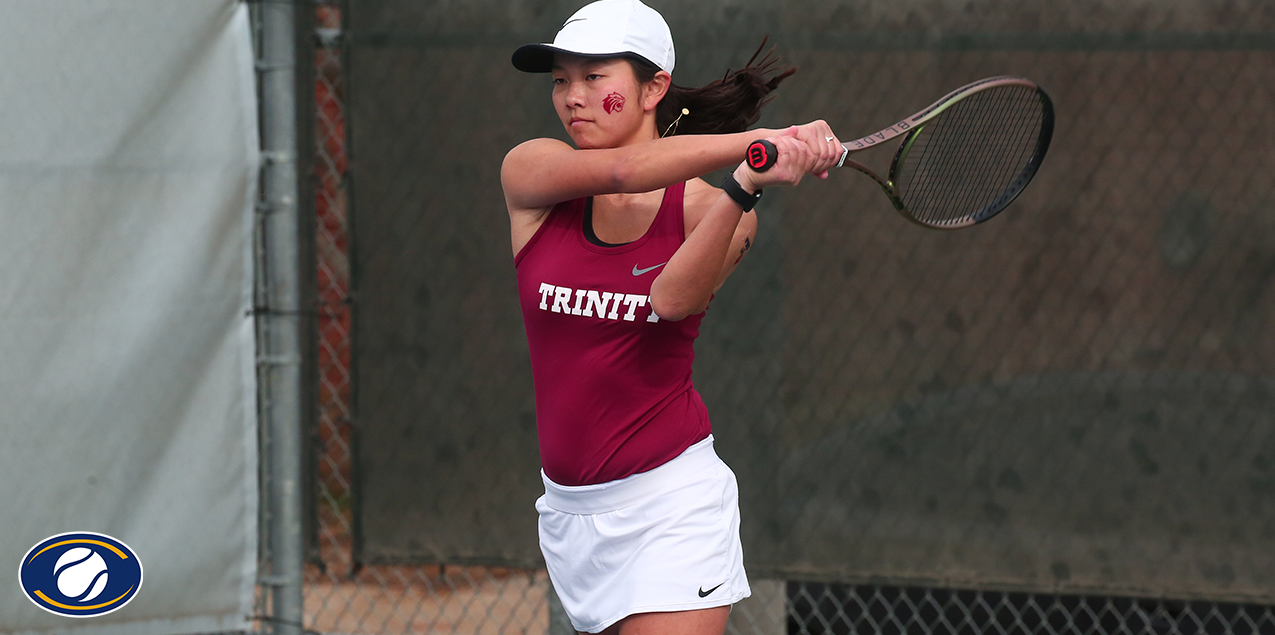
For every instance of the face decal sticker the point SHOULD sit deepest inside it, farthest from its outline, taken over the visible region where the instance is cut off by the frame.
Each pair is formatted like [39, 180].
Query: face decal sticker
[613, 103]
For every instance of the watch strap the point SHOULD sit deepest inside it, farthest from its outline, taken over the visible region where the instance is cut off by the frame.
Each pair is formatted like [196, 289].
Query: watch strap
[744, 199]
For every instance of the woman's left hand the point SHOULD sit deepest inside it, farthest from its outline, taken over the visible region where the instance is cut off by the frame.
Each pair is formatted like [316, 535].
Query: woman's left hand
[824, 143]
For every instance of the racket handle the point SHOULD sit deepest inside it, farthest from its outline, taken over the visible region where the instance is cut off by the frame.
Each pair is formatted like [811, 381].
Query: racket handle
[762, 154]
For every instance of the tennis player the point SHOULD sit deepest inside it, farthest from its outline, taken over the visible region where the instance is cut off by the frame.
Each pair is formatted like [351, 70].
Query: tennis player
[618, 247]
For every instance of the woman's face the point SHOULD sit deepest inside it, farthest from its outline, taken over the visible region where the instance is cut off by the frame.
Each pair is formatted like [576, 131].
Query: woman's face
[599, 101]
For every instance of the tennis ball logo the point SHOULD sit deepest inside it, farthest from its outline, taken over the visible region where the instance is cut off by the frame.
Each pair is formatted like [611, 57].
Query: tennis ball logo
[81, 574]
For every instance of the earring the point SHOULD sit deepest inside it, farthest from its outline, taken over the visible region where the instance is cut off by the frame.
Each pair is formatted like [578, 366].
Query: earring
[673, 126]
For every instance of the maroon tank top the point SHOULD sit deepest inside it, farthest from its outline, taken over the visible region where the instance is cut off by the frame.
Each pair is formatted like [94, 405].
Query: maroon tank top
[612, 380]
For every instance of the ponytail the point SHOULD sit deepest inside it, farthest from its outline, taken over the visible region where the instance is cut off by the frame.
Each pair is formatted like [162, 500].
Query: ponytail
[730, 104]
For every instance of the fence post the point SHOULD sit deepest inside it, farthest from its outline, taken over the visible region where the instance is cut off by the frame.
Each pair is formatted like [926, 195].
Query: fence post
[280, 349]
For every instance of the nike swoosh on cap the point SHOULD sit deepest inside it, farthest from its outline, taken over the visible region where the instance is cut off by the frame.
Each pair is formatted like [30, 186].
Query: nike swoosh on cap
[638, 272]
[564, 24]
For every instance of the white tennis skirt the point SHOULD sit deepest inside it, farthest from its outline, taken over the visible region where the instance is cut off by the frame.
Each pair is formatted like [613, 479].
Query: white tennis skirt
[660, 541]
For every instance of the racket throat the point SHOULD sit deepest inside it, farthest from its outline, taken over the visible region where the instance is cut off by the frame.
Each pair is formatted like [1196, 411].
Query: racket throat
[886, 186]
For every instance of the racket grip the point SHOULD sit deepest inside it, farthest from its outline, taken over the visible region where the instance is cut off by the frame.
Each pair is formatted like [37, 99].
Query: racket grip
[762, 154]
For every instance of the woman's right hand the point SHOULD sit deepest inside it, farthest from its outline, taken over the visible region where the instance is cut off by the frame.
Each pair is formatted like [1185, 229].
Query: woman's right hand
[796, 159]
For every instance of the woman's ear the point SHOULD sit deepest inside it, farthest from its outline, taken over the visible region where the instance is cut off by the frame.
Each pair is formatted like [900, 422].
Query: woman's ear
[654, 90]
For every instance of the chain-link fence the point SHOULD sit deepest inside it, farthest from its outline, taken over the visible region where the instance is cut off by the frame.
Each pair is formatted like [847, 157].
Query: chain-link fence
[343, 596]
[1059, 422]
[842, 609]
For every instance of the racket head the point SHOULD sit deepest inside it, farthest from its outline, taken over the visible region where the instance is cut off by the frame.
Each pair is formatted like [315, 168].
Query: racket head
[969, 155]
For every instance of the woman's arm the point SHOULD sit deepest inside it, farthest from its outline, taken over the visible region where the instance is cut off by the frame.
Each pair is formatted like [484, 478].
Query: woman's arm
[701, 264]
[542, 172]
[745, 238]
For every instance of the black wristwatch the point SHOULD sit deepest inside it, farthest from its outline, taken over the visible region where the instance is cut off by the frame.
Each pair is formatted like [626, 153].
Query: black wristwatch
[732, 187]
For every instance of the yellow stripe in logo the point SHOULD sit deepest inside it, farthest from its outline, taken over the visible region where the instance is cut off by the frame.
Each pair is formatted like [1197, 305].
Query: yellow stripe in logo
[81, 608]
[82, 540]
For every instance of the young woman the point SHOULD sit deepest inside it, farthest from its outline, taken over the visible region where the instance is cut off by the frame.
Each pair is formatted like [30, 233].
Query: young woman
[618, 247]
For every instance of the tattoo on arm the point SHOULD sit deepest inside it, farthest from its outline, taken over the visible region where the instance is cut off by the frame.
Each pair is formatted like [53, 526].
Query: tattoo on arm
[747, 245]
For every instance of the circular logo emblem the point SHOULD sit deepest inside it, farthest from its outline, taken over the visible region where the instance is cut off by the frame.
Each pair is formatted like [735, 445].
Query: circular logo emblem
[80, 574]
[758, 157]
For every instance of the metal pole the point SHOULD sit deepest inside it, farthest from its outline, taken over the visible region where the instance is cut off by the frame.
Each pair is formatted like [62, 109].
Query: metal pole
[281, 350]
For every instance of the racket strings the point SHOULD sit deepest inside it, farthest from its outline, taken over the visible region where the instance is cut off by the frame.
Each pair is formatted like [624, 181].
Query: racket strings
[998, 178]
[956, 169]
[965, 159]
[950, 132]
[953, 129]
[960, 174]
[997, 163]
[987, 165]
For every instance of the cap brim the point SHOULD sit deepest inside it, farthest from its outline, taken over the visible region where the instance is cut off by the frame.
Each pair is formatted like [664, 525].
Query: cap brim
[538, 58]
[534, 58]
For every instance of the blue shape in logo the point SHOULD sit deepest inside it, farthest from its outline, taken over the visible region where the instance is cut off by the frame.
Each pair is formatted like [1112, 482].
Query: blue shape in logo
[80, 574]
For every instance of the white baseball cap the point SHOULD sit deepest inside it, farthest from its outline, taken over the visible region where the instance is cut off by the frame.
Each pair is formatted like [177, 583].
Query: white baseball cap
[602, 29]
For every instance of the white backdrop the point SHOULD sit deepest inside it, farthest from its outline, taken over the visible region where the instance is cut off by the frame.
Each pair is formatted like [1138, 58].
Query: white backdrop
[128, 168]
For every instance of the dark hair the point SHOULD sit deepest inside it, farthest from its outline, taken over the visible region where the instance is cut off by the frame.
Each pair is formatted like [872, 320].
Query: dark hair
[730, 104]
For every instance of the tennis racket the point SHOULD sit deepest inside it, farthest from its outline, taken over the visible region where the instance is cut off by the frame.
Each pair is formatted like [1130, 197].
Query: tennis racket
[963, 159]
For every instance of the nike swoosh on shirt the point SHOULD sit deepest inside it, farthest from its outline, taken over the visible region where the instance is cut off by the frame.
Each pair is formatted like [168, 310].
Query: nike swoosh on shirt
[638, 272]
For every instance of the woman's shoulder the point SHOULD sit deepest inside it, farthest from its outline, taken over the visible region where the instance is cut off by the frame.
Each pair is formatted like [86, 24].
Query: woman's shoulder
[699, 195]
[533, 149]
